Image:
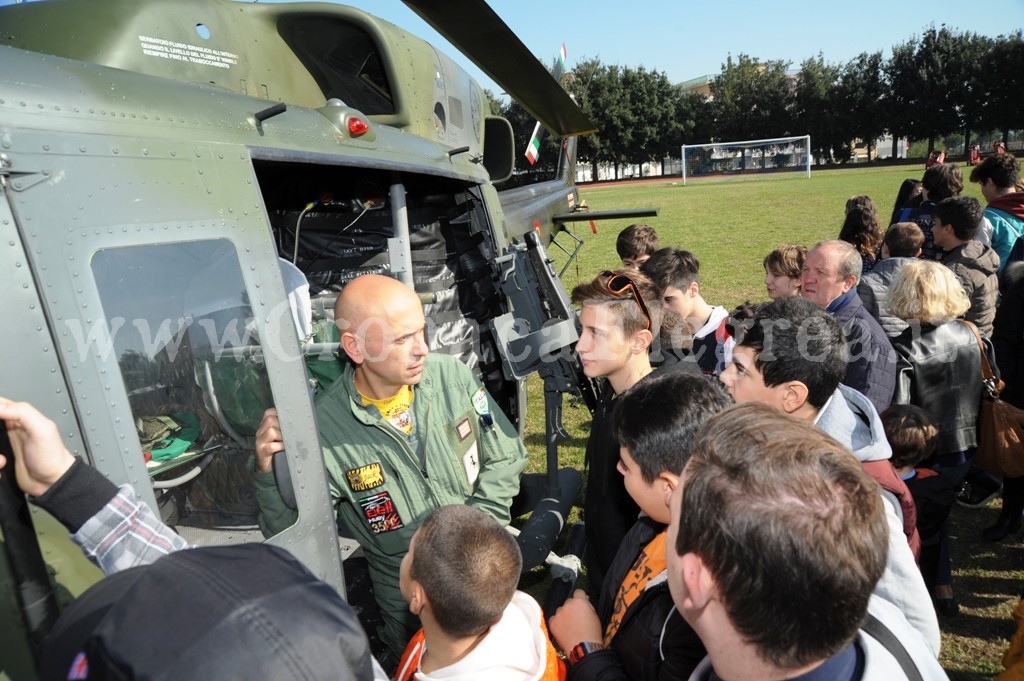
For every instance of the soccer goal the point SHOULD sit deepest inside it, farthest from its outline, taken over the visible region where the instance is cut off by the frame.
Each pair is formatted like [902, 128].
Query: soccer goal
[781, 154]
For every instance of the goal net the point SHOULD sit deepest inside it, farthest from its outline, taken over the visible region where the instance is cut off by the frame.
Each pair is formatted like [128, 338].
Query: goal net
[781, 154]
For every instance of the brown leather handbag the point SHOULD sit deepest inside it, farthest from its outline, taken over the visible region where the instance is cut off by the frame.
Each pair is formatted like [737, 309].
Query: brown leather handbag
[1000, 425]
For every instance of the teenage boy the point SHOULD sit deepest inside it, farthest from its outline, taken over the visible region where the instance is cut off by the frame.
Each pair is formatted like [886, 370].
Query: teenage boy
[955, 222]
[792, 357]
[901, 245]
[635, 244]
[676, 274]
[460, 578]
[776, 541]
[619, 318]
[998, 176]
[635, 632]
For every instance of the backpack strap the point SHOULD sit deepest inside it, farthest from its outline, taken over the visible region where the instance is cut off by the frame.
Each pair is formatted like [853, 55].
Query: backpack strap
[883, 635]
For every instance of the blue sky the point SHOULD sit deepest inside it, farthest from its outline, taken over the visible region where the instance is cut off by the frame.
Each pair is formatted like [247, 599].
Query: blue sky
[687, 39]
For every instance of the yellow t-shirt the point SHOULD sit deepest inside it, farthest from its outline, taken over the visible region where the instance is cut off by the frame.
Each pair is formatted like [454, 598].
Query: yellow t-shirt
[397, 409]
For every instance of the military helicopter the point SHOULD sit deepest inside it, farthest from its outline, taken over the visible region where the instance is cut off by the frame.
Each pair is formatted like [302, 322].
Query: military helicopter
[187, 185]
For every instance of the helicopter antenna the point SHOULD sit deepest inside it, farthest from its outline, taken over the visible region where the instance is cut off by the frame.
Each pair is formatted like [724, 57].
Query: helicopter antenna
[270, 112]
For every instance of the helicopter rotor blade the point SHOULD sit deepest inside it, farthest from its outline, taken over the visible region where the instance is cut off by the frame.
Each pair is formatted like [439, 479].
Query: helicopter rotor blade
[479, 33]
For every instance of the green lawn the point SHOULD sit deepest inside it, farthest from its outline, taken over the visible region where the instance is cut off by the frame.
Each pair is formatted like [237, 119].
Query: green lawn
[731, 224]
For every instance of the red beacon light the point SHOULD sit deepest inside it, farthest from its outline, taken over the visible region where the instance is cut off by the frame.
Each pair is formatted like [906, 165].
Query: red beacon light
[357, 126]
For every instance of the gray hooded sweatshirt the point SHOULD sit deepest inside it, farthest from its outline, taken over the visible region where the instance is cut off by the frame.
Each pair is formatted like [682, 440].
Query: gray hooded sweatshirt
[850, 418]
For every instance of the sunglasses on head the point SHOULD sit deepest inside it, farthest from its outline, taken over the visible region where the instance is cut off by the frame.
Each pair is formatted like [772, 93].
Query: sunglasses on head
[617, 284]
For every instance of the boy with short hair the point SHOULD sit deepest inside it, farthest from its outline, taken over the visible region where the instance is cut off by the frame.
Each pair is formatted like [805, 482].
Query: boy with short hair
[792, 357]
[913, 436]
[955, 222]
[635, 244]
[460, 577]
[901, 245]
[998, 176]
[676, 274]
[619, 319]
[776, 541]
[634, 627]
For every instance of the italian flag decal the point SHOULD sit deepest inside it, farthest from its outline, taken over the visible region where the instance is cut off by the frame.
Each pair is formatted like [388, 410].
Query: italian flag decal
[533, 148]
[540, 133]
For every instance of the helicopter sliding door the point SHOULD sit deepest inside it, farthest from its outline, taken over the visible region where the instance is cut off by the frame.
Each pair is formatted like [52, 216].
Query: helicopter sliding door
[33, 545]
[171, 328]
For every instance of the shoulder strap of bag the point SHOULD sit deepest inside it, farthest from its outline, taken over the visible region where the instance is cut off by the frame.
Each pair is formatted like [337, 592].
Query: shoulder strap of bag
[986, 369]
[883, 635]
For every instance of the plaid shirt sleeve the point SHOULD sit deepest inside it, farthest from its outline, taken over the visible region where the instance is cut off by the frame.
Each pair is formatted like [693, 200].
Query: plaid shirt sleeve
[125, 533]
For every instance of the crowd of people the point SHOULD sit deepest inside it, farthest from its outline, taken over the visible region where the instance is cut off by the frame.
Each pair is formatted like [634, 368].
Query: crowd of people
[767, 490]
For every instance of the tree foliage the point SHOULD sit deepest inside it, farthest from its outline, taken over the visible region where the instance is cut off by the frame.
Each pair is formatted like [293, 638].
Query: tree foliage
[905, 91]
[968, 80]
[751, 99]
[813, 111]
[861, 97]
[1005, 84]
[940, 83]
[937, 58]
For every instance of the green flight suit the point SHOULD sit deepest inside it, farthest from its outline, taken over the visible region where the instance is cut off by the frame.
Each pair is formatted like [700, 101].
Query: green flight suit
[383, 483]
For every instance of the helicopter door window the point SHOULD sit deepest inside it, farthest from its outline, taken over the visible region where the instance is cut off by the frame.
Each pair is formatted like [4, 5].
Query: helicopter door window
[185, 339]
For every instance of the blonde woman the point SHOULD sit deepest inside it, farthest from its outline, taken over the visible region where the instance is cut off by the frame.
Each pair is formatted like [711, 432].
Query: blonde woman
[939, 370]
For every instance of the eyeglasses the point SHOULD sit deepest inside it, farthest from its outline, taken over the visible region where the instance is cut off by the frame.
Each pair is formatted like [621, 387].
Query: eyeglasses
[617, 284]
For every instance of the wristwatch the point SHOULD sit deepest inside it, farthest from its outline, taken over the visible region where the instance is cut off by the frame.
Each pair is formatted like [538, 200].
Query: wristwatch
[581, 649]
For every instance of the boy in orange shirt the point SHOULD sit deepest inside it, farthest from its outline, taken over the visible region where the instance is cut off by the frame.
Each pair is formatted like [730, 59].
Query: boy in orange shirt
[460, 577]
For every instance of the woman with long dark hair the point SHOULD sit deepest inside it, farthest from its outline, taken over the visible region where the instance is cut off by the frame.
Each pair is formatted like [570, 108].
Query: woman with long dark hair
[862, 229]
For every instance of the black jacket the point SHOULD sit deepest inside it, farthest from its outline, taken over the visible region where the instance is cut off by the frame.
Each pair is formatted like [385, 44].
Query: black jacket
[871, 368]
[1008, 335]
[608, 510]
[940, 371]
[653, 642]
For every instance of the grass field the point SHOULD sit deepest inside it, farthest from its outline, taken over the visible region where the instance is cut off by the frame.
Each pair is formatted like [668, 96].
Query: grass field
[731, 224]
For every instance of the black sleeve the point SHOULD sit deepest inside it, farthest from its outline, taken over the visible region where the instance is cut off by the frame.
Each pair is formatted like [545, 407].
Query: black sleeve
[600, 665]
[682, 647]
[681, 650]
[78, 495]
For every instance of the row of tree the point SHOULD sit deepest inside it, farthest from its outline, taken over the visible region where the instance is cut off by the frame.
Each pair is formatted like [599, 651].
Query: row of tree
[939, 83]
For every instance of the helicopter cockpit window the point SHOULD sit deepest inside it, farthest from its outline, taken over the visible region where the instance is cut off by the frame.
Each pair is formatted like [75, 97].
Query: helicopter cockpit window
[183, 330]
[343, 59]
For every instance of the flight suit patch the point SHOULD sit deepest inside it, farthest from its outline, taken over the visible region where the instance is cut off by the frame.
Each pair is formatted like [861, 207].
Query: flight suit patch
[365, 477]
[471, 461]
[463, 430]
[380, 513]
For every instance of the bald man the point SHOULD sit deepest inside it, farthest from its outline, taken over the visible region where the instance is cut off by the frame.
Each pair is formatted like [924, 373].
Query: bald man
[403, 432]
